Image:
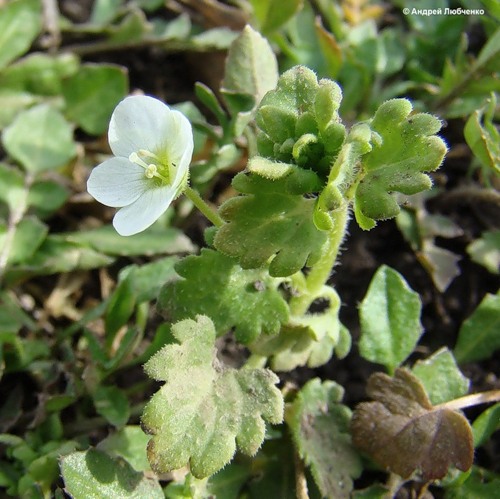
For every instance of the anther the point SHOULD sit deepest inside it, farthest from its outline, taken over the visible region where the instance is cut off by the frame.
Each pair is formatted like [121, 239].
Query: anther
[151, 171]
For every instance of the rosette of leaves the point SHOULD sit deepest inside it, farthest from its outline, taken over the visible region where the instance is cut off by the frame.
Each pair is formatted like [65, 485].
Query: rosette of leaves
[299, 121]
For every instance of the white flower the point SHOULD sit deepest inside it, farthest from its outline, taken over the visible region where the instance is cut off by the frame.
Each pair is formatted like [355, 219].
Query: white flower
[153, 145]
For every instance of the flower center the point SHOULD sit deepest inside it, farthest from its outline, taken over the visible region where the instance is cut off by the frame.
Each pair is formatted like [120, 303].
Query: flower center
[153, 166]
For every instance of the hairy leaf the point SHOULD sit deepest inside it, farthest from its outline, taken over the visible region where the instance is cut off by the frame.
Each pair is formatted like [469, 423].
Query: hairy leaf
[299, 121]
[405, 149]
[390, 319]
[251, 71]
[320, 428]
[204, 409]
[270, 221]
[215, 285]
[404, 433]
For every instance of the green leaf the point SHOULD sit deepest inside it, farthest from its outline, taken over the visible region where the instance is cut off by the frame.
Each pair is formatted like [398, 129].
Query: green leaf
[215, 285]
[441, 377]
[489, 52]
[299, 122]
[130, 443]
[406, 148]
[20, 23]
[404, 433]
[12, 102]
[104, 11]
[12, 189]
[486, 251]
[209, 99]
[47, 196]
[120, 307]
[390, 319]
[92, 474]
[216, 408]
[39, 73]
[270, 221]
[57, 255]
[92, 94]
[151, 242]
[479, 335]
[271, 14]
[277, 472]
[251, 66]
[320, 427]
[483, 137]
[309, 339]
[147, 279]
[480, 484]
[227, 483]
[40, 139]
[28, 236]
[486, 424]
[111, 403]
[251, 70]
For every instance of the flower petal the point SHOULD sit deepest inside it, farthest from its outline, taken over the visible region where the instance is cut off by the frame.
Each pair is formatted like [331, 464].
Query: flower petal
[117, 182]
[138, 122]
[178, 138]
[139, 215]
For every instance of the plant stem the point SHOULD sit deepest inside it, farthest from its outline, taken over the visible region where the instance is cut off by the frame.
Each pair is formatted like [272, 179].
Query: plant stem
[471, 400]
[209, 212]
[320, 272]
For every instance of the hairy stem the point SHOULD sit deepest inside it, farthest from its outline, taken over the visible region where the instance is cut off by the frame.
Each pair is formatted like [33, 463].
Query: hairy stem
[209, 212]
[320, 272]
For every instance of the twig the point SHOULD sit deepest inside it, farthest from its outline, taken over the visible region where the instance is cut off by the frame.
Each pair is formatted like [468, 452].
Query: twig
[471, 400]
[302, 491]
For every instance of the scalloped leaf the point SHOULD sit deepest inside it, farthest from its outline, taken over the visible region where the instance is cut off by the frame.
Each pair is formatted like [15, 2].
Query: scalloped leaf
[271, 219]
[204, 408]
[320, 428]
[404, 433]
[215, 285]
[406, 148]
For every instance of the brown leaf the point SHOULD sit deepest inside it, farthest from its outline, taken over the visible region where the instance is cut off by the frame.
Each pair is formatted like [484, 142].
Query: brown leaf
[404, 433]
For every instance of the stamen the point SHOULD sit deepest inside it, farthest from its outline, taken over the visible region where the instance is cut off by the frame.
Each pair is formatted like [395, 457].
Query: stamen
[148, 154]
[134, 158]
[151, 171]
